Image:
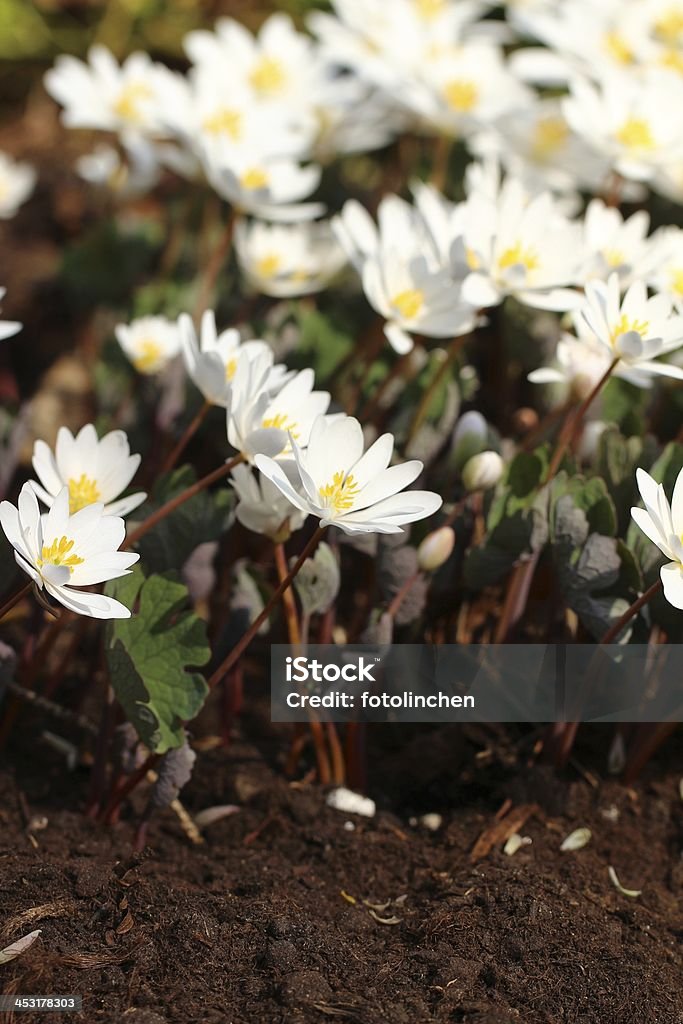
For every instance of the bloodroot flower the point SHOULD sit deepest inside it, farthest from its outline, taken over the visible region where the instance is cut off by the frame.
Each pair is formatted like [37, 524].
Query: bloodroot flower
[663, 525]
[344, 487]
[61, 552]
[92, 470]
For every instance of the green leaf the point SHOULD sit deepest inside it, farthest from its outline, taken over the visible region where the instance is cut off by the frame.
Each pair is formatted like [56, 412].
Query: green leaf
[323, 343]
[203, 518]
[624, 404]
[150, 657]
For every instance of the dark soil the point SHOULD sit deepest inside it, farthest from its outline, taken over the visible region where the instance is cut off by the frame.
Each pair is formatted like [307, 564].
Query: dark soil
[269, 920]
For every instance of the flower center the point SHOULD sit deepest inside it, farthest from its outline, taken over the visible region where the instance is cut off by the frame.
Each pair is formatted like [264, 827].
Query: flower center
[461, 95]
[268, 76]
[148, 356]
[550, 134]
[669, 26]
[340, 493]
[58, 554]
[635, 133]
[255, 177]
[82, 492]
[473, 261]
[408, 303]
[269, 265]
[677, 281]
[617, 47]
[224, 122]
[230, 369]
[280, 421]
[429, 8]
[613, 258]
[127, 106]
[625, 325]
[516, 256]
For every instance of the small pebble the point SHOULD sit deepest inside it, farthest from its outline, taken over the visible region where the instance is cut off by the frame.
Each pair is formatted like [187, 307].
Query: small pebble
[346, 800]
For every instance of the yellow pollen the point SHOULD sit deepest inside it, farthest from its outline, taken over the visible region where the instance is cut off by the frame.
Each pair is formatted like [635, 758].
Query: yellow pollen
[281, 422]
[617, 47]
[254, 178]
[268, 265]
[408, 303]
[148, 356]
[672, 59]
[669, 26]
[58, 554]
[516, 255]
[635, 133]
[625, 325]
[230, 369]
[429, 8]
[550, 134]
[268, 76]
[82, 492]
[613, 258]
[224, 122]
[677, 281]
[127, 106]
[473, 261]
[340, 493]
[461, 95]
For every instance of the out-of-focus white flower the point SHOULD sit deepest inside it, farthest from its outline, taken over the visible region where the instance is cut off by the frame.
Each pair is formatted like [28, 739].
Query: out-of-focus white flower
[211, 359]
[7, 327]
[666, 271]
[614, 244]
[259, 421]
[482, 471]
[17, 181]
[268, 187]
[288, 259]
[92, 469]
[133, 176]
[512, 244]
[103, 94]
[637, 123]
[580, 362]
[62, 552]
[344, 487]
[635, 330]
[663, 525]
[436, 549]
[262, 507]
[150, 342]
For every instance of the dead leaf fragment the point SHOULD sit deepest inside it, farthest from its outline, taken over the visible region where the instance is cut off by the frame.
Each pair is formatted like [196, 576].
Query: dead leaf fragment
[17, 948]
[498, 833]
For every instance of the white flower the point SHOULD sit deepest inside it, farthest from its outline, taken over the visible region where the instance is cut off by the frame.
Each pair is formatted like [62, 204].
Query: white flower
[133, 176]
[261, 184]
[17, 181]
[637, 123]
[663, 525]
[292, 259]
[92, 469]
[260, 422]
[580, 362]
[62, 552]
[343, 487]
[212, 360]
[635, 330]
[614, 244]
[482, 471]
[7, 327]
[150, 342]
[262, 507]
[666, 272]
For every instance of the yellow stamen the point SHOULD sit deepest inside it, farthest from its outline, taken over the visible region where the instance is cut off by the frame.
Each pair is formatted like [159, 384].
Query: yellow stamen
[677, 281]
[635, 133]
[625, 325]
[127, 106]
[254, 178]
[58, 554]
[82, 492]
[672, 59]
[268, 76]
[617, 47]
[269, 265]
[669, 26]
[408, 303]
[550, 134]
[461, 95]
[516, 255]
[224, 122]
[148, 356]
[613, 258]
[429, 8]
[340, 493]
[473, 261]
[281, 422]
[230, 369]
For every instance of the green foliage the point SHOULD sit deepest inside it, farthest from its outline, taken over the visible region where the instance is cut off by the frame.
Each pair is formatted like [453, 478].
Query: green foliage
[618, 458]
[322, 344]
[87, 265]
[624, 404]
[203, 518]
[150, 657]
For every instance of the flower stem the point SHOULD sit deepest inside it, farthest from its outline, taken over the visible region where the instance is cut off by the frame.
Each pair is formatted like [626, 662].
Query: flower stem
[423, 406]
[19, 596]
[402, 593]
[571, 425]
[187, 436]
[242, 645]
[180, 499]
[216, 261]
[630, 613]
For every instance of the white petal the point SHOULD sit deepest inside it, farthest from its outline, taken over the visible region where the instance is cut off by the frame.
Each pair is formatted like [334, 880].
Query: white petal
[672, 580]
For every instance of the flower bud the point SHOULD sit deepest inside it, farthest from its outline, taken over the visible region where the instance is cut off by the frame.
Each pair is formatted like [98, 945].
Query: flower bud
[435, 549]
[469, 438]
[483, 471]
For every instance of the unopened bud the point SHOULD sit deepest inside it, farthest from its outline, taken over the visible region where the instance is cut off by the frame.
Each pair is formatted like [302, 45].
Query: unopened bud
[469, 438]
[483, 471]
[435, 549]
